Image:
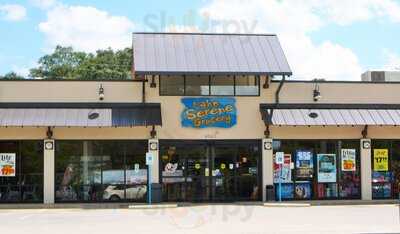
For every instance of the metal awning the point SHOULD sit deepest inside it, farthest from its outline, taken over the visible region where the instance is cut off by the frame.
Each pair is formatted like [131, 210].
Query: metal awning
[200, 53]
[79, 114]
[331, 114]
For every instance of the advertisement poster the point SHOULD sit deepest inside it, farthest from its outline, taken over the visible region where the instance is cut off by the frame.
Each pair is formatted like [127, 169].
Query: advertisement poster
[326, 168]
[287, 191]
[302, 191]
[348, 160]
[286, 174]
[7, 165]
[208, 112]
[304, 164]
[381, 159]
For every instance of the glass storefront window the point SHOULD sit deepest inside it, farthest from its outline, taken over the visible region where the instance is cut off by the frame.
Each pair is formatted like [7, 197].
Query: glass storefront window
[101, 171]
[247, 85]
[318, 169]
[222, 85]
[172, 85]
[385, 161]
[197, 86]
[205, 85]
[25, 181]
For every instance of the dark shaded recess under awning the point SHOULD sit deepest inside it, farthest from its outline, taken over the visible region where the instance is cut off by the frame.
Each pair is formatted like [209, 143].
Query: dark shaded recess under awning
[331, 114]
[80, 114]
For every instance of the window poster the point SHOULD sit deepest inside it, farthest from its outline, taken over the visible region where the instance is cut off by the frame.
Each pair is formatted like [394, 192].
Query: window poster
[302, 191]
[326, 168]
[287, 191]
[348, 160]
[304, 164]
[286, 173]
[7, 164]
[381, 159]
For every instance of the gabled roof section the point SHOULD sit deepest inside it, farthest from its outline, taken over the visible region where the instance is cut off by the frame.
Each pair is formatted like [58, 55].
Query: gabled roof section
[198, 53]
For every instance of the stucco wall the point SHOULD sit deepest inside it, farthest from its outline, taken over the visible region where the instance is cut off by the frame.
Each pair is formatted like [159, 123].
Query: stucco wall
[249, 126]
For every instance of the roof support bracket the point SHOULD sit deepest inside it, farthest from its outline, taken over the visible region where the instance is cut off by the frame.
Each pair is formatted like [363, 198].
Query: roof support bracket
[153, 132]
[153, 82]
[267, 82]
[49, 133]
[364, 132]
[267, 131]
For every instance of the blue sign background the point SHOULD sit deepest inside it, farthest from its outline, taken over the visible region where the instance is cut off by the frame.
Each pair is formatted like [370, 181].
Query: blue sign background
[208, 112]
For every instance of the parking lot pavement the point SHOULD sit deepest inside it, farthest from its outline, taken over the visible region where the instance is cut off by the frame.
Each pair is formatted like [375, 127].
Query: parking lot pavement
[221, 219]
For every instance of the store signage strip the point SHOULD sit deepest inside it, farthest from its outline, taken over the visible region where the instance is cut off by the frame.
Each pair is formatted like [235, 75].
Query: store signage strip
[208, 112]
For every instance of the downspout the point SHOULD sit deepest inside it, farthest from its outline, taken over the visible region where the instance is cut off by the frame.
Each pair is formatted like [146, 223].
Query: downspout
[277, 101]
[144, 91]
[278, 91]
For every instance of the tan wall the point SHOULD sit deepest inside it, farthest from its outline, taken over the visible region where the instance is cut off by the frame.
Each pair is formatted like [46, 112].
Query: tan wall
[69, 91]
[339, 92]
[250, 125]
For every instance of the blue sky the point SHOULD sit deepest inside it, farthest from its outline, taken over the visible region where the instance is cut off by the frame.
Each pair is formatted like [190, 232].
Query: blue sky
[334, 39]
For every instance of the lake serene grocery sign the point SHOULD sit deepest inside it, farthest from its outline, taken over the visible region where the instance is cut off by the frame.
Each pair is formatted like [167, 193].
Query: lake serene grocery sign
[208, 112]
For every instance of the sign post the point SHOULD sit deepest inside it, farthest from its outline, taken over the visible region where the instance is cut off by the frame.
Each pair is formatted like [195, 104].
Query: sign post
[279, 160]
[149, 163]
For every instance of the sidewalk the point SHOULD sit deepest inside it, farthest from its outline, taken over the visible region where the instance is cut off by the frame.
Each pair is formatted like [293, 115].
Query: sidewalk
[189, 204]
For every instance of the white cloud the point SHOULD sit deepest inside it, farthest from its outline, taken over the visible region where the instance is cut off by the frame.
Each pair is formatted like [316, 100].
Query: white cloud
[182, 28]
[86, 28]
[43, 4]
[294, 20]
[12, 12]
[392, 60]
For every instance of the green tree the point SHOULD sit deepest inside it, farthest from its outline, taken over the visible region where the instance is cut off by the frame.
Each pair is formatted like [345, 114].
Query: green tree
[61, 64]
[12, 76]
[106, 64]
[65, 63]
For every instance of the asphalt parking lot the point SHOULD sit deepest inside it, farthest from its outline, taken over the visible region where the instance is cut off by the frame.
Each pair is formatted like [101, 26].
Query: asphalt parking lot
[222, 219]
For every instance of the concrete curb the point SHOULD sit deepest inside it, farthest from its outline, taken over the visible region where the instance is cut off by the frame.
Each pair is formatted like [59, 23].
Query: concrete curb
[156, 206]
[277, 204]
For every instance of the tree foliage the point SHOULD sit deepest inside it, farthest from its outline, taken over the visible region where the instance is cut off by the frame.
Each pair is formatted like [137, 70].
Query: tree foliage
[12, 76]
[65, 63]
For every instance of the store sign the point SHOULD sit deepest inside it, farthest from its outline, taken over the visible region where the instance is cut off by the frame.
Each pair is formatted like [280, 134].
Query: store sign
[7, 165]
[381, 159]
[283, 170]
[326, 168]
[209, 112]
[304, 164]
[348, 160]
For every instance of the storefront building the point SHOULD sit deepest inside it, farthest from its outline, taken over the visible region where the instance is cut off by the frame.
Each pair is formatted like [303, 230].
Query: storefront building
[216, 122]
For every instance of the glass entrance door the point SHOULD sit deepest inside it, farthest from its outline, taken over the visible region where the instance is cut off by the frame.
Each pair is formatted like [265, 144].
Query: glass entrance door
[222, 171]
[224, 159]
[197, 173]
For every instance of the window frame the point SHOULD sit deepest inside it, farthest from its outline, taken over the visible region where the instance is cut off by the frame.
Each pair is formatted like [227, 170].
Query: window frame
[160, 77]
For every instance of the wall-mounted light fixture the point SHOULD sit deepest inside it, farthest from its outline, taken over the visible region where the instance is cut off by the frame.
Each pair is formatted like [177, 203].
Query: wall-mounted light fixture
[316, 93]
[101, 93]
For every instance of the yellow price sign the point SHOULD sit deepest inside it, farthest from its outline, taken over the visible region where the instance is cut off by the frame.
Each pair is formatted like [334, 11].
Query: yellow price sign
[381, 159]
[223, 166]
[197, 166]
